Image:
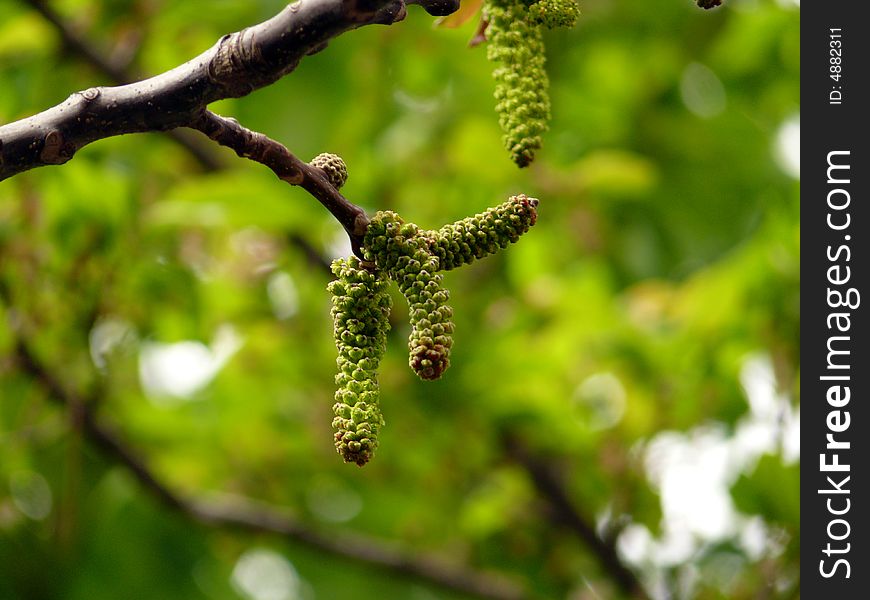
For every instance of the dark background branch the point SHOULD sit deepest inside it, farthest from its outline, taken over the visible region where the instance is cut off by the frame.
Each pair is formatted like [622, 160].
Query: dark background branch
[566, 515]
[314, 258]
[118, 75]
[81, 46]
[246, 514]
[238, 512]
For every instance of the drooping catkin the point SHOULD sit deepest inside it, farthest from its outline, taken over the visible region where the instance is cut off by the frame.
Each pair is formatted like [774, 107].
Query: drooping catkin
[516, 45]
[401, 250]
[360, 313]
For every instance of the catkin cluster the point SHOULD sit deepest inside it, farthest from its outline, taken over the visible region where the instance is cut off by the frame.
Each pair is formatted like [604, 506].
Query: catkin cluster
[360, 314]
[516, 46]
[412, 257]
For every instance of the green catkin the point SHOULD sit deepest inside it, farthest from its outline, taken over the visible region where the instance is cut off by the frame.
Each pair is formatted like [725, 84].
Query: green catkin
[464, 241]
[516, 45]
[554, 13]
[402, 251]
[360, 313]
[361, 305]
[334, 167]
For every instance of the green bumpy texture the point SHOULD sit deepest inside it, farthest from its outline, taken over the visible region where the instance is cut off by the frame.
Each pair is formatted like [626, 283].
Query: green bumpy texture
[334, 167]
[402, 250]
[464, 241]
[554, 13]
[360, 313]
[516, 45]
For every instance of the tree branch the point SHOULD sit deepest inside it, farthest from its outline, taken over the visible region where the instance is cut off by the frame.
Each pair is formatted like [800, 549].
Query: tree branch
[567, 515]
[236, 65]
[242, 513]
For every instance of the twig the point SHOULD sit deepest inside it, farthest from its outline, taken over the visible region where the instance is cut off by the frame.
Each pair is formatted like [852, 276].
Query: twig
[567, 515]
[241, 513]
[236, 65]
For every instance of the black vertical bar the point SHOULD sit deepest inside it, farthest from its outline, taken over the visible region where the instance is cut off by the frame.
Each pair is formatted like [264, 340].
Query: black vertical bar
[835, 366]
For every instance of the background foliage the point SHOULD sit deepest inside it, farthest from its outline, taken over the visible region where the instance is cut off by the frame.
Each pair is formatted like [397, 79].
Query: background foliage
[642, 340]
